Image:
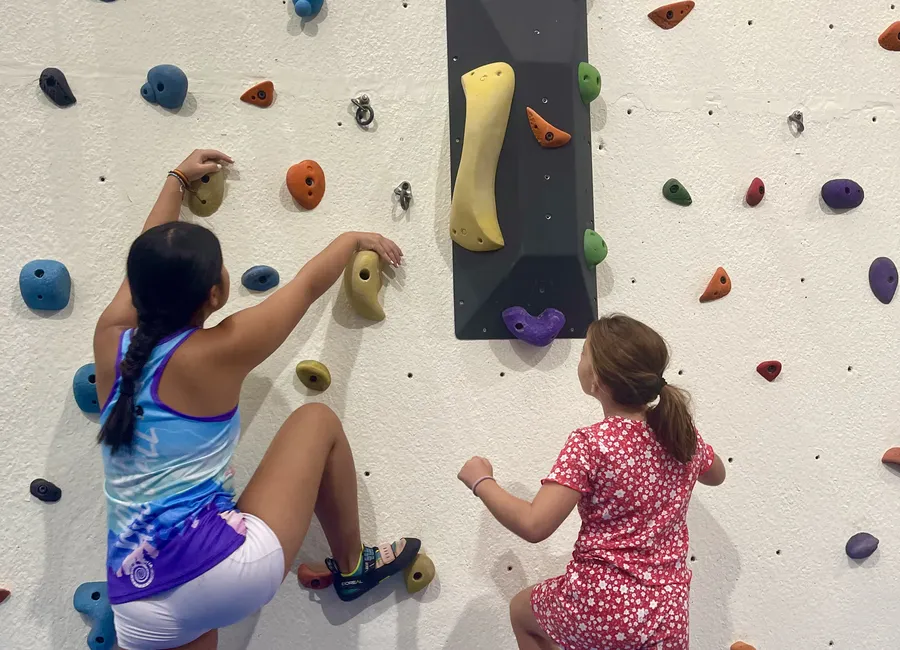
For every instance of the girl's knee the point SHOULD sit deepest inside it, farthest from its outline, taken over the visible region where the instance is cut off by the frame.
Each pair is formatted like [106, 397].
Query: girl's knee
[315, 413]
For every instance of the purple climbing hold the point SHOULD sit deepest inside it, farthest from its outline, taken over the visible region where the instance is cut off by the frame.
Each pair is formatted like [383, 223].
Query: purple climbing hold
[842, 194]
[861, 546]
[536, 330]
[883, 279]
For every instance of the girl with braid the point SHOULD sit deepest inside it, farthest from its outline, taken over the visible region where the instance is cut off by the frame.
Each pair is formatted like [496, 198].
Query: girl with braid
[631, 476]
[184, 558]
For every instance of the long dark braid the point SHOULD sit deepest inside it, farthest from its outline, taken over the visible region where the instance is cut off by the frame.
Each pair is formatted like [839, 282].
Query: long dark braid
[171, 271]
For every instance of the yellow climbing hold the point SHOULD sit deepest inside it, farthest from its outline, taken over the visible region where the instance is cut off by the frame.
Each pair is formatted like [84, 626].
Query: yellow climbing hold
[473, 212]
[314, 375]
[206, 194]
[419, 574]
[362, 282]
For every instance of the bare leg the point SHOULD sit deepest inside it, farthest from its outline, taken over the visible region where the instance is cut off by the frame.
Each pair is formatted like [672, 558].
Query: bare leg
[308, 468]
[209, 641]
[529, 634]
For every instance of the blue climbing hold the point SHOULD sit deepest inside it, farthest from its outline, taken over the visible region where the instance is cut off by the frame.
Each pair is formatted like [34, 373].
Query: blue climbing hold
[842, 194]
[84, 385]
[308, 8]
[260, 278]
[92, 600]
[45, 284]
[166, 85]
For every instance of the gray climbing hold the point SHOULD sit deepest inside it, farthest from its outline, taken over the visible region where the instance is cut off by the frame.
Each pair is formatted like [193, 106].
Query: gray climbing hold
[45, 285]
[166, 85]
[861, 546]
[55, 85]
[260, 278]
[84, 385]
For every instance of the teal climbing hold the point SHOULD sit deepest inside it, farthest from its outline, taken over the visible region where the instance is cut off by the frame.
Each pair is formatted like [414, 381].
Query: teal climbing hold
[595, 249]
[676, 192]
[167, 85]
[84, 385]
[92, 600]
[45, 284]
[588, 82]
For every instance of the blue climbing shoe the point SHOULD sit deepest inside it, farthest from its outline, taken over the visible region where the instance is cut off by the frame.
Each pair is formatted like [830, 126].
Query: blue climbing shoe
[375, 565]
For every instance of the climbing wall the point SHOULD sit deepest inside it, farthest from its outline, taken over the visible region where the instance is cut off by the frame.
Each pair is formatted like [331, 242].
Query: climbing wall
[705, 103]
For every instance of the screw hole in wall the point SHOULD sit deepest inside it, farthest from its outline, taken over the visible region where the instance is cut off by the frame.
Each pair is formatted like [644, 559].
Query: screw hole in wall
[544, 100]
[802, 279]
[628, 111]
[503, 374]
[409, 374]
[405, 5]
[731, 460]
[509, 568]
[103, 179]
[456, 58]
[340, 124]
[681, 372]
[749, 22]
[633, 281]
[710, 112]
[818, 456]
[367, 473]
[693, 558]
[778, 552]
[831, 26]
[546, 177]
[874, 119]
[849, 368]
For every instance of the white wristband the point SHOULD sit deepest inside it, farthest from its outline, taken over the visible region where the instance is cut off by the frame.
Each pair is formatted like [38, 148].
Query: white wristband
[479, 481]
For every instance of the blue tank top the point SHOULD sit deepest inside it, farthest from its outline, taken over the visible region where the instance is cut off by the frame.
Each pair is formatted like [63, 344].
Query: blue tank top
[170, 505]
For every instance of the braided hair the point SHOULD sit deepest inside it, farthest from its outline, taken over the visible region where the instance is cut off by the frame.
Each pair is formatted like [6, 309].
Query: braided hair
[172, 269]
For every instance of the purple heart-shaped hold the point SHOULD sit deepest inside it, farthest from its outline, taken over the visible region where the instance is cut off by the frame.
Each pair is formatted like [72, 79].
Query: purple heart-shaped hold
[842, 194]
[883, 279]
[536, 330]
[861, 546]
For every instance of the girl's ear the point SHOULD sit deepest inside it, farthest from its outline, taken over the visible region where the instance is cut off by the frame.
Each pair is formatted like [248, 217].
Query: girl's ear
[216, 299]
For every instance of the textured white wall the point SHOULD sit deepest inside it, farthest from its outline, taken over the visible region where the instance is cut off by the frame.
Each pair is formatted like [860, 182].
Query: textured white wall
[805, 472]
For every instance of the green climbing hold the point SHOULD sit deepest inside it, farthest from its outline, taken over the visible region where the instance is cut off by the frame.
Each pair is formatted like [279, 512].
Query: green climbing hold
[595, 249]
[676, 192]
[588, 82]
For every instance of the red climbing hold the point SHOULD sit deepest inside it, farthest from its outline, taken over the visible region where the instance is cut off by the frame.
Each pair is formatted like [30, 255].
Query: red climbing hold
[769, 369]
[718, 287]
[262, 94]
[890, 38]
[4, 594]
[756, 192]
[548, 136]
[891, 456]
[670, 15]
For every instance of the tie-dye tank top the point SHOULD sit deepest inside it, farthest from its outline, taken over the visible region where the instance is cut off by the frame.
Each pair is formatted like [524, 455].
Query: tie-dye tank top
[170, 505]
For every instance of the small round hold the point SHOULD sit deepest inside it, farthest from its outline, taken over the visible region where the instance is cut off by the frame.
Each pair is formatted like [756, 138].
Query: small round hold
[4, 594]
[364, 112]
[260, 278]
[314, 375]
[769, 370]
[842, 194]
[84, 386]
[419, 574]
[755, 192]
[861, 546]
[45, 491]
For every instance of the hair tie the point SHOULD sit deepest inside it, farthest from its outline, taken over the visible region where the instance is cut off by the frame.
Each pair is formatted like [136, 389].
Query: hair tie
[662, 383]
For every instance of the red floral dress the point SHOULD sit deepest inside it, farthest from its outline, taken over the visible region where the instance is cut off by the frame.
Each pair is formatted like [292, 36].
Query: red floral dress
[627, 586]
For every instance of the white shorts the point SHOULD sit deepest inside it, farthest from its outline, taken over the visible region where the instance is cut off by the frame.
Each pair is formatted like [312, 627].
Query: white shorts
[229, 592]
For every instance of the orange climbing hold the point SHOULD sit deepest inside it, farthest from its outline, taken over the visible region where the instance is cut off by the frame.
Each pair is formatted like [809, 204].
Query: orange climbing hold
[306, 183]
[740, 645]
[262, 94]
[890, 38]
[548, 136]
[718, 287]
[891, 456]
[670, 15]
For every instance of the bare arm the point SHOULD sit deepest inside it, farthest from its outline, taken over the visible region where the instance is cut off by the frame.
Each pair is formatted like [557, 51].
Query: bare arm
[715, 475]
[535, 521]
[252, 334]
[120, 313]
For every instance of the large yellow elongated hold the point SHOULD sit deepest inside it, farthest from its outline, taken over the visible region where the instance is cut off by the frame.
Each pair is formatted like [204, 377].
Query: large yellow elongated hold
[362, 282]
[473, 212]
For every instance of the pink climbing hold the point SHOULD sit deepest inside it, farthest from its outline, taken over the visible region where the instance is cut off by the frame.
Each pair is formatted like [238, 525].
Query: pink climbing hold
[756, 192]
